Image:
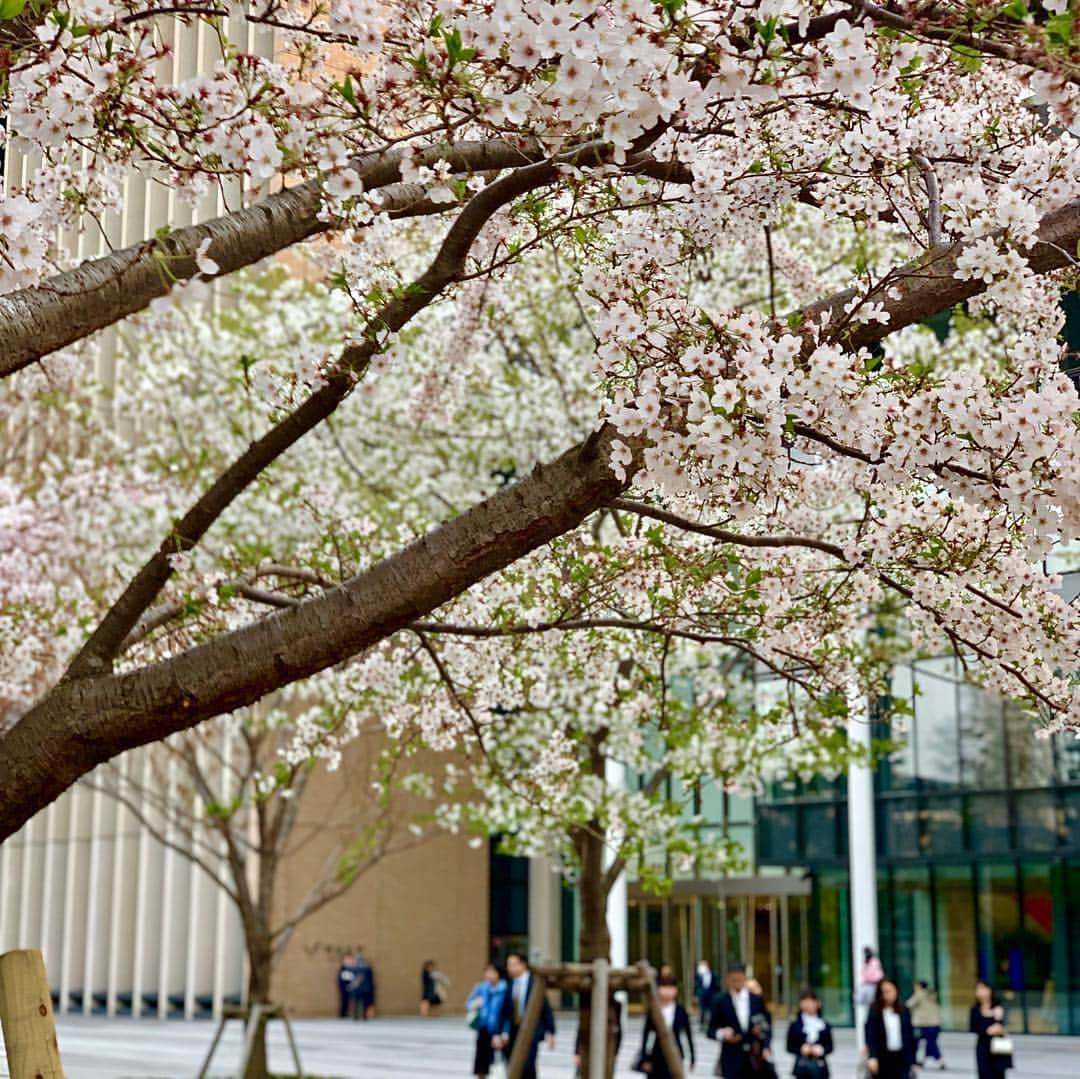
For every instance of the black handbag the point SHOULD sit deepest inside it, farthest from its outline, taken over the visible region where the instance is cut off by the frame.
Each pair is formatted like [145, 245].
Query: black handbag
[809, 1068]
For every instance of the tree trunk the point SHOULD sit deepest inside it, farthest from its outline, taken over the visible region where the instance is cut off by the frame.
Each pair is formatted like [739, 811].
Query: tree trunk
[594, 940]
[260, 960]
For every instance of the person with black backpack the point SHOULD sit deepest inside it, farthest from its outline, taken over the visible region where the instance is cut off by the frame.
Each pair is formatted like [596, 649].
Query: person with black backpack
[809, 1039]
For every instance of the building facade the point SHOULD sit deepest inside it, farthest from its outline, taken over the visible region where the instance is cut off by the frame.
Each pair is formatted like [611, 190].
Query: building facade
[978, 843]
[977, 824]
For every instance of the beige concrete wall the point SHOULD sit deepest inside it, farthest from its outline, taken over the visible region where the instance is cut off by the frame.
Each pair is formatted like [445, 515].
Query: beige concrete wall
[427, 901]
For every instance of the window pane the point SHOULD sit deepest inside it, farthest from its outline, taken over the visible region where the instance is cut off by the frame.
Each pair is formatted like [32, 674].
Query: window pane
[743, 836]
[1068, 758]
[819, 832]
[1000, 952]
[1041, 995]
[943, 826]
[1072, 817]
[988, 823]
[1071, 882]
[898, 772]
[913, 943]
[829, 945]
[712, 802]
[899, 820]
[1031, 759]
[740, 808]
[982, 738]
[1037, 824]
[936, 751]
[778, 838]
[956, 944]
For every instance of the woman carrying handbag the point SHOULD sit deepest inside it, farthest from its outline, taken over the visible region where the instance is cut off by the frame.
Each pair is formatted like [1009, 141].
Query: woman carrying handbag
[809, 1039]
[993, 1047]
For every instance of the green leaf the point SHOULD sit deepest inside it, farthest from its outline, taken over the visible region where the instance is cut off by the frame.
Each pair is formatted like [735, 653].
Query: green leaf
[1059, 28]
[11, 9]
[347, 90]
[1016, 9]
[968, 59]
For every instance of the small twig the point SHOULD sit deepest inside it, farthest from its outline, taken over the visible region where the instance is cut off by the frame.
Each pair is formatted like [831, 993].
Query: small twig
[933, 196]
[772, 272]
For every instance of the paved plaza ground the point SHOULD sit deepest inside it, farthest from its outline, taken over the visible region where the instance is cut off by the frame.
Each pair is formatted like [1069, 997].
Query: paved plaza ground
[95, 1048]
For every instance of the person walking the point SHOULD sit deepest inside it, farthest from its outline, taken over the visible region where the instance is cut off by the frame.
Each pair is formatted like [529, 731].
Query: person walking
[993, 1049]
[890, 1037]
[345, 976]
[870, 975]
[616, 1012]
[730, 1023]
[809, 1039]
[362, 988]
[926, 1019]
[651, 1059]
[433, 987]
[485, 1007]
[522, 987]
[706, 990]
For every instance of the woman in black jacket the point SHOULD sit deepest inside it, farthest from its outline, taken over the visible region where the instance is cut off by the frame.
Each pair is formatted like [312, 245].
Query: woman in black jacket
[809, 1039]
[988, 1021]
[651, 1060]
[890, 1037]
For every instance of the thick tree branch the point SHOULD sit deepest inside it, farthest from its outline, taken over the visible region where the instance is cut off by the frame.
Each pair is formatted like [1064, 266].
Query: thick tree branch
[928, 284]
[106, 641]
[86, 721]
[71, 305]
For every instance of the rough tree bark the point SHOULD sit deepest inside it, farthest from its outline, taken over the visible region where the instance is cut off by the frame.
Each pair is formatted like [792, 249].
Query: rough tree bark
[86, 721]
[71, 305]
[594, 937]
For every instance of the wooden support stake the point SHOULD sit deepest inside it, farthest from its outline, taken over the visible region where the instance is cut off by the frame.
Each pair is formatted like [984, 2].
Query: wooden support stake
[256, 1026]
[663, 1031]
[27, 1017]
[598, 1021]
[523, 1043]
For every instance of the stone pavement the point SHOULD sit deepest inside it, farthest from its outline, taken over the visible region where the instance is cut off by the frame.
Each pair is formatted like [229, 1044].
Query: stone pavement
[413, 1048]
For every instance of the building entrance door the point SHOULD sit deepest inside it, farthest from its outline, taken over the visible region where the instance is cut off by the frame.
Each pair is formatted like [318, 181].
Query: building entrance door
[759, 921]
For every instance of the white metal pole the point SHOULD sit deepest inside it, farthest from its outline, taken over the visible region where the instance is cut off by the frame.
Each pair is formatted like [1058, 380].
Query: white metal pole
[861, 854]
[617, 918]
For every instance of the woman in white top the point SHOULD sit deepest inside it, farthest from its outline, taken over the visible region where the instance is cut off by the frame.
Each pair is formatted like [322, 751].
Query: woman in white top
[890, 1037]
[809, 1039]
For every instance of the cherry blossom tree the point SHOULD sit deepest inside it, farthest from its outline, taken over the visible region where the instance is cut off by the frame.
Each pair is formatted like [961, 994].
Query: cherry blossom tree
[225, 797]
[737, 216]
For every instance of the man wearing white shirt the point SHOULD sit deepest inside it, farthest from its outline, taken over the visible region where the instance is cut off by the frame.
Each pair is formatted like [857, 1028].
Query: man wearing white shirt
[731, 1021]
[517, 1000]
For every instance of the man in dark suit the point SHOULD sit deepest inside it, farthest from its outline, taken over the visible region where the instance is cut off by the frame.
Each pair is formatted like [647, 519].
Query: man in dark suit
[734, 1015]
[522, 986]
[706, 989]
[653, 1061]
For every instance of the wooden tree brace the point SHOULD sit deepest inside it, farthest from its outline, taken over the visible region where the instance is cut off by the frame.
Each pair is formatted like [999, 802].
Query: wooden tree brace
[523, 1043]
[27, 1017]
[581, 978]
[664, 1037]
[255, 1018]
